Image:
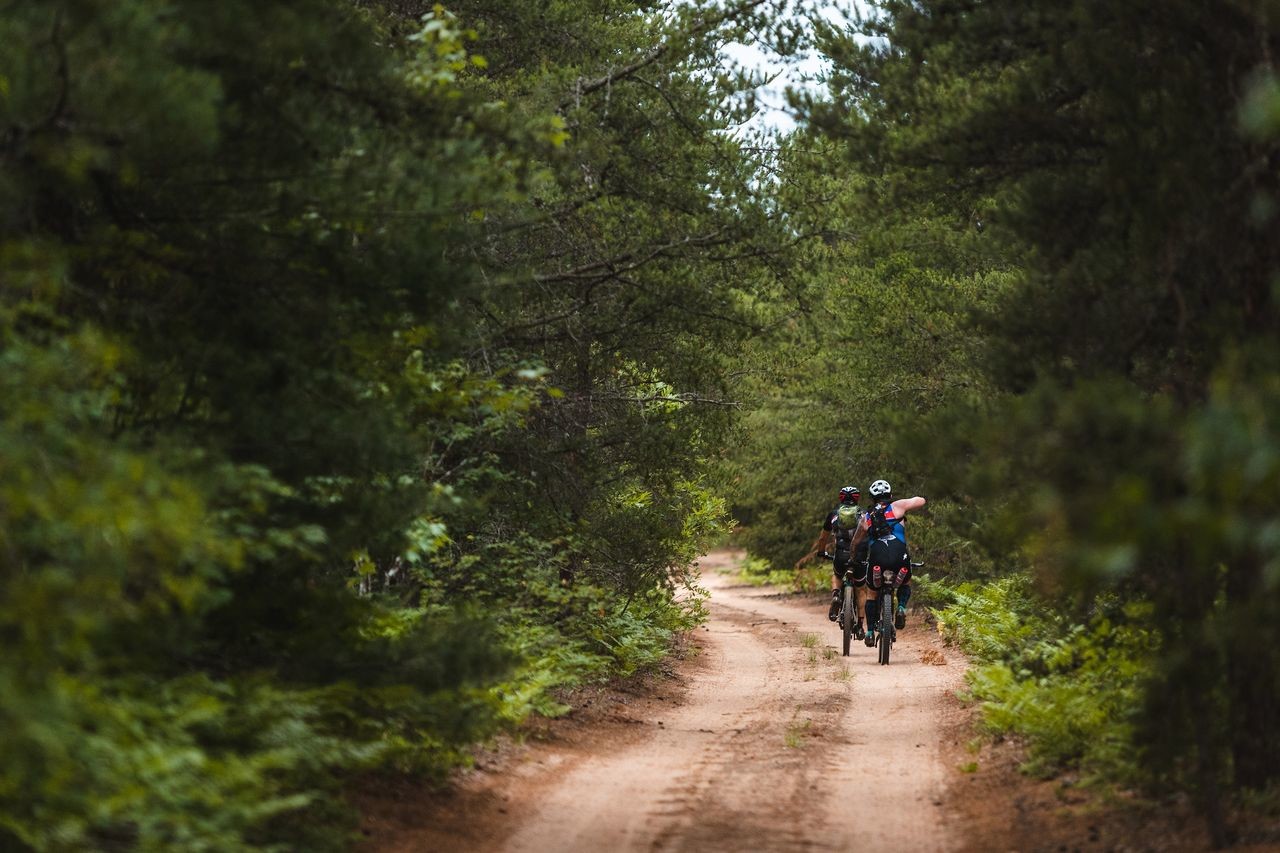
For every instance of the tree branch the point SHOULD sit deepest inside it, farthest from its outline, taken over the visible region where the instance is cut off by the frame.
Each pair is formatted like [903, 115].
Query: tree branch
[652, 55]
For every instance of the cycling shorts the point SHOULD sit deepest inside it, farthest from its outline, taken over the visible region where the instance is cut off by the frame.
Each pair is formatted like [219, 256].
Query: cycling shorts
[859, 570]
[890, 555]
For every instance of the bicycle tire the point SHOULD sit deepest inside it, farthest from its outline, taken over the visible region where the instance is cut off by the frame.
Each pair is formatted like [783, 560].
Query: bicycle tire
[886, 627]
[849, 620]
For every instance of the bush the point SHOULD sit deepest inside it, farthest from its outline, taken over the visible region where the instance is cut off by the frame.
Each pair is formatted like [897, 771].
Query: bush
[807, 580]
[1074, 691]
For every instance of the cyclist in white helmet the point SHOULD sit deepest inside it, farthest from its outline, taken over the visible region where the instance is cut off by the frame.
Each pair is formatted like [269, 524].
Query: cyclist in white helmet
[884, 526]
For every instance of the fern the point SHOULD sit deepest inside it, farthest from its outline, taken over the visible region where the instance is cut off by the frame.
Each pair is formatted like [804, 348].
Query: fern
[1073, 691]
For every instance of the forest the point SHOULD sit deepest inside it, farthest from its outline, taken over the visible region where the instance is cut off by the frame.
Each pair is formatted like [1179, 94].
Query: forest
[374, 371]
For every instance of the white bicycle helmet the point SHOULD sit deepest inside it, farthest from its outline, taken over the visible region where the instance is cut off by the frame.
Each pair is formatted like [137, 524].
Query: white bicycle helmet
[880, 488]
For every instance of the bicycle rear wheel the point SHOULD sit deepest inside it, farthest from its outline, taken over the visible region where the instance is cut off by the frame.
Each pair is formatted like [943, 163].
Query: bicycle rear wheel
[848, 618]
[886, 627]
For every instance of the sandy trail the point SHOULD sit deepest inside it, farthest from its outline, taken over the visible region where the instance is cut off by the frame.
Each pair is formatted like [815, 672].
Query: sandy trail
[773, 748]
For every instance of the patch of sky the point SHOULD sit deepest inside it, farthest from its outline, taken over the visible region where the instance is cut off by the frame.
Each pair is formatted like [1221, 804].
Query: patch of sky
[802, 68]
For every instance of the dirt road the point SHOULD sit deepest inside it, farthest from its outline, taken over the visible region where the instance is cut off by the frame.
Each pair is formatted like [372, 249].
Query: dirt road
[771, 748]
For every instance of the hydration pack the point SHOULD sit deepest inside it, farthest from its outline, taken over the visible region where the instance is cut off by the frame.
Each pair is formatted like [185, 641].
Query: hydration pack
[847, 517]
[881, 527]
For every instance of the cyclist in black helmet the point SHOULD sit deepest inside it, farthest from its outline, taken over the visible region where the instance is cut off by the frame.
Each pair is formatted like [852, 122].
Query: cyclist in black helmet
[838, 529]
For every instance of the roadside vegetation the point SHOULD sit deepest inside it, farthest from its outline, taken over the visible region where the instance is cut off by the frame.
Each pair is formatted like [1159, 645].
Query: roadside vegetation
[1070, 688]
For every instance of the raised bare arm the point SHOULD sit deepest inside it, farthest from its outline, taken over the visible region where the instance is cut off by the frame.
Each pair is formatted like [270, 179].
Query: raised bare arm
[905, 505]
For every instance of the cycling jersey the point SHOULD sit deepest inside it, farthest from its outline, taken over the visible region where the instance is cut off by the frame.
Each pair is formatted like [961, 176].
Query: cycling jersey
[896, 528]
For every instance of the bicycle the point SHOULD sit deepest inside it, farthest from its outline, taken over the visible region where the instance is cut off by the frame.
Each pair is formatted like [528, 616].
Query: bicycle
[848, 618]
[886, 634]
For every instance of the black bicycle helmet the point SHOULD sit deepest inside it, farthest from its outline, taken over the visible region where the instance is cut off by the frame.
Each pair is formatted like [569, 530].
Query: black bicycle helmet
[850, 495]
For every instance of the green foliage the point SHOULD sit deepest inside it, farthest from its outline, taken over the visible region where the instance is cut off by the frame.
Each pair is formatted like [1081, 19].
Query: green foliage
[839, 398]
[759, 572]
[640, 257]
[1072, 689]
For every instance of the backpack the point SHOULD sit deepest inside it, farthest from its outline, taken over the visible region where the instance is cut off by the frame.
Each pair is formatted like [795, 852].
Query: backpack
[881, 527]
[846, 523]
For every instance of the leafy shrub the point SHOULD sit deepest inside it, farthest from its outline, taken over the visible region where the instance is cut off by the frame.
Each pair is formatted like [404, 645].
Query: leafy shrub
[808, 580]
[606, 636]
[1073, 691]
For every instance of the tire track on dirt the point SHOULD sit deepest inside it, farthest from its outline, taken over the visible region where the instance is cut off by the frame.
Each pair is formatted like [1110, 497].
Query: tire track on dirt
[773, 745]
[649, 795]
[890, 735]
[774, 749]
